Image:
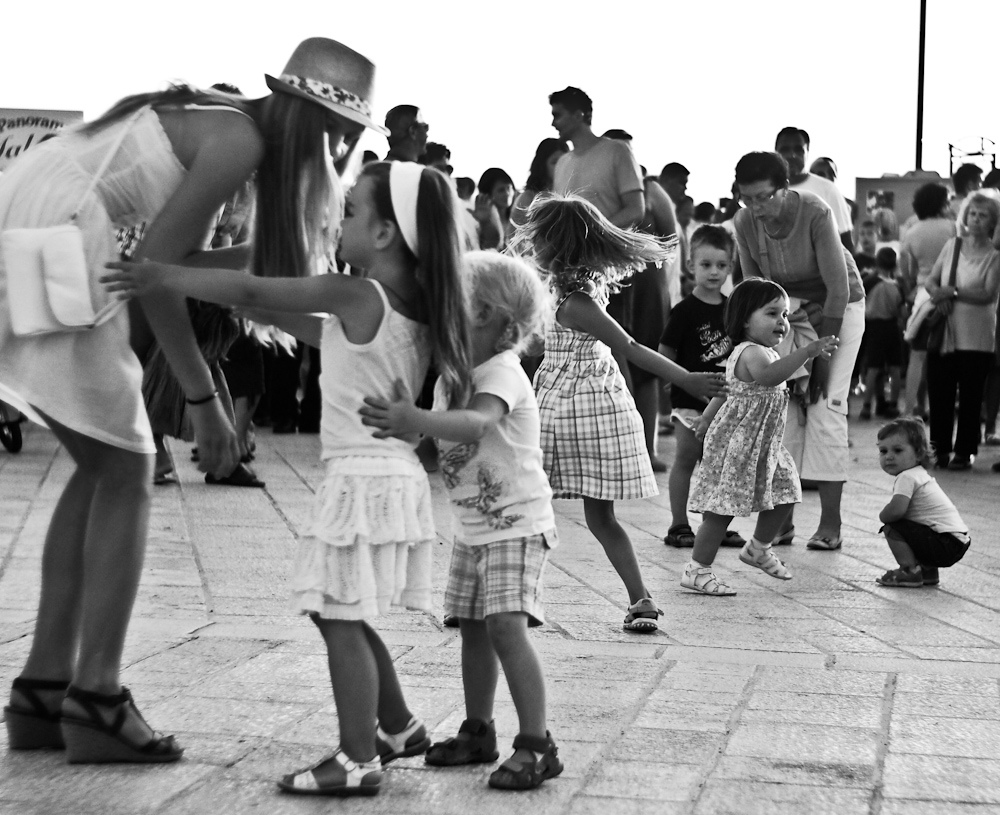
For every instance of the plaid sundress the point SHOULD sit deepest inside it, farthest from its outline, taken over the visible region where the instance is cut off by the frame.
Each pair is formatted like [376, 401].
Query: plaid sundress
[592, 435]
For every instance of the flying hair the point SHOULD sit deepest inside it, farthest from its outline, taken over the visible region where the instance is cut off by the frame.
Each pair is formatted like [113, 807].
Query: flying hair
[574, 244]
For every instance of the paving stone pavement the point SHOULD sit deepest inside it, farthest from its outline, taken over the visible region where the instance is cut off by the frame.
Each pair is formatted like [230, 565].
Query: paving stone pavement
[826, 693]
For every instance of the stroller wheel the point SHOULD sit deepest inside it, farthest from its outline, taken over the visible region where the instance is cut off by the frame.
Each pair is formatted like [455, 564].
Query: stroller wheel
[10, 436]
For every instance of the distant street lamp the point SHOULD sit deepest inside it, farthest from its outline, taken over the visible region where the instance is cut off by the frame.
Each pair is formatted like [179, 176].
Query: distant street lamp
[918, 165]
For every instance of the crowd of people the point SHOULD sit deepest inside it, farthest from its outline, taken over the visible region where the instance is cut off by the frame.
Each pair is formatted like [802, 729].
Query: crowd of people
[427, 298]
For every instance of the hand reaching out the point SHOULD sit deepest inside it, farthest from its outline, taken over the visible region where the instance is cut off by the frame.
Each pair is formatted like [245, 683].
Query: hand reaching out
[396, 418]
[133, 279]
[823, 347]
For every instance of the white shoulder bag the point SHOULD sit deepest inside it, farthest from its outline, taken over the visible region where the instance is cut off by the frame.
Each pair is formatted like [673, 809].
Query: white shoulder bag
[48, 283]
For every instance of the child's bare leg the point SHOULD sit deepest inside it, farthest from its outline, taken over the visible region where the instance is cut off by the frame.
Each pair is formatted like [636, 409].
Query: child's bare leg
[771, 522]
[354, 675]
[601, 521]
[508, 633]
[393, 713]
[679, 484]
[895, 374]
[871, 385]
[647, 403]
[480, 670]
[708, 537]
[900, 549]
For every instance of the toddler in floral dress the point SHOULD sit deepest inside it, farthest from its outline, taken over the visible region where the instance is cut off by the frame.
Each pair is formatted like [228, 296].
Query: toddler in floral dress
[745, 468]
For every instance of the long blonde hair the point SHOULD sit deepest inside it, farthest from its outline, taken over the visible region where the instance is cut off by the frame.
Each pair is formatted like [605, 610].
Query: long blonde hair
[574, 244]
[293, 181]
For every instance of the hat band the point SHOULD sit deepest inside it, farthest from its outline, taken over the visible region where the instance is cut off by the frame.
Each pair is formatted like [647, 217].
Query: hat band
[329, 92]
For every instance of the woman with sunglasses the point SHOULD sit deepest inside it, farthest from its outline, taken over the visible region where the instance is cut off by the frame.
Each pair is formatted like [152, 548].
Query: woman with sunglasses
[789, 236]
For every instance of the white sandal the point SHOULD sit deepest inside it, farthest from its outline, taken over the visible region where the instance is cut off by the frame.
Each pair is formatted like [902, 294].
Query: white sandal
[766, 561]
[340, 776]
[411, 741]
[704, 581]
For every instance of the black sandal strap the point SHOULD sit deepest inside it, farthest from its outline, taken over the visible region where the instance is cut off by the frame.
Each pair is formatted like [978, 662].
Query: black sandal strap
[28, 687]
[536, 744]
[477, 727]
[89, 700]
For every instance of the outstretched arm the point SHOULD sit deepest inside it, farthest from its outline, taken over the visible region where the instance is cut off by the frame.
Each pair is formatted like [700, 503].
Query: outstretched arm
[400, 417]
[759, 366]
[581, 313]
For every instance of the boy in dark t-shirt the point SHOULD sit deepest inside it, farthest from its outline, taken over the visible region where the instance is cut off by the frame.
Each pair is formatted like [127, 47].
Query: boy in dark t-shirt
[695, 337]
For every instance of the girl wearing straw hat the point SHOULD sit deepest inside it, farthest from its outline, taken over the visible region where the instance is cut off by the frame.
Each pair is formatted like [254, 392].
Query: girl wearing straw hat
[171, 159]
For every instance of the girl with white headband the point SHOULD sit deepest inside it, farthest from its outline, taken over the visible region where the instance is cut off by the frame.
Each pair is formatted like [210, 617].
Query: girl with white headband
[170, 159]
[369, 546]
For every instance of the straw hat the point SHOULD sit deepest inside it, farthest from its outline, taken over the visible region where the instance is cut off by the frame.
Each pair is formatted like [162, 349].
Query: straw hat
[332, 75]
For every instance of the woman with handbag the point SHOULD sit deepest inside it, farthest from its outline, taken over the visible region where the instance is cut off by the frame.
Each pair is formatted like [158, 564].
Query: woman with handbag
[963, 285]
[171, 159]
[918, 251]
[789, 236]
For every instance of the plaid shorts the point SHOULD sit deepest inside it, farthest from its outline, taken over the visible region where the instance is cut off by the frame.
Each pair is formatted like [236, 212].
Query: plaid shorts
[498, 577]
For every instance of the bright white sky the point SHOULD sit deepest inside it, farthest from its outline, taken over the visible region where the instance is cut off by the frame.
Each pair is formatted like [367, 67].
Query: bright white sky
[696, 81]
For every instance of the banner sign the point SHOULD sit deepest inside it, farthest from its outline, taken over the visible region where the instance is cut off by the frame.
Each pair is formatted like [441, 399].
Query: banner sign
[22, 129]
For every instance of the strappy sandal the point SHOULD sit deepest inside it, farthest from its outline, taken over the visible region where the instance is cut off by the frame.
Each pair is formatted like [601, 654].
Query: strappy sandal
[704, 581]
[37, 727]
[902, 579]
[476, 743]
[766, 561]
[337, 775]
[680, 536]
[642, 616]
[410, 741]
[92, 740]
[527, 776]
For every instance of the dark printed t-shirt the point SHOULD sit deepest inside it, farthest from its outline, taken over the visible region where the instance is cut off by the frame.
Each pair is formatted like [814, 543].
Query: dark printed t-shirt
[696, 331]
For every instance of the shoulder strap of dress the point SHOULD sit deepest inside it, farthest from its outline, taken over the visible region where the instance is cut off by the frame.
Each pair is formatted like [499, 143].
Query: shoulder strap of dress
[194, 106]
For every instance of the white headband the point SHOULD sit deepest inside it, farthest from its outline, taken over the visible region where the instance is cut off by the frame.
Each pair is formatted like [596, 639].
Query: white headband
[404, 185]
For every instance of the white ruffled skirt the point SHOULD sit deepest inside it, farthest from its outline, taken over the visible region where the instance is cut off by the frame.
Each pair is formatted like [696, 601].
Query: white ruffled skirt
[369, 545]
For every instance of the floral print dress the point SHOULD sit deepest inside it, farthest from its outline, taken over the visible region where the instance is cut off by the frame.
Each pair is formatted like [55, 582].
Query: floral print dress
[745, 468]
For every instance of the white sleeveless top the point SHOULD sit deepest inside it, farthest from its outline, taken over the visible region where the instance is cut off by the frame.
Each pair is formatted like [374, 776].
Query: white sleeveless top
[401, 349]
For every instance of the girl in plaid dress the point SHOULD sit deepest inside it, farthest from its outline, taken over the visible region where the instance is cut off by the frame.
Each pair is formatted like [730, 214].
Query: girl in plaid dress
[592, 435]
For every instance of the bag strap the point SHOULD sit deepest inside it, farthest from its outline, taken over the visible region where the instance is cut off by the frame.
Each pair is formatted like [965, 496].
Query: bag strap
[765, 260]
[115, 147]
[954, 261]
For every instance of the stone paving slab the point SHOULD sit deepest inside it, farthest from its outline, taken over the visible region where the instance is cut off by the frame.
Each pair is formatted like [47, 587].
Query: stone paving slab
[827, 693]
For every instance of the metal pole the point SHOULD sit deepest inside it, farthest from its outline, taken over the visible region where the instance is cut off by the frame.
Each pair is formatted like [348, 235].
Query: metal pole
[920, 86]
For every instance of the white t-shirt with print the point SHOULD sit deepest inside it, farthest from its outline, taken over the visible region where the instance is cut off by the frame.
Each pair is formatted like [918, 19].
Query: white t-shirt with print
[928, 503]
[497, 486]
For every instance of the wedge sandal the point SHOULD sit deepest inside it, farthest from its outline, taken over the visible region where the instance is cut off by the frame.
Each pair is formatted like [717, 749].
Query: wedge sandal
[512, 775]
[642, 616]
[36, 727]
[766, 561]
[93, 740]
[411, 741]
[476, 743]
[337, 775]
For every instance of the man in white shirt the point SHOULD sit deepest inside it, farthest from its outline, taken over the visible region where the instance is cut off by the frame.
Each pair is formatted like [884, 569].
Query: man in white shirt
[793, 145]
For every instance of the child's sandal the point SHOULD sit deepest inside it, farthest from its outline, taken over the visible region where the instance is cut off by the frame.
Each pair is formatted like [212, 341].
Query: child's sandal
[642, 616]
[704, 581]
[411, 741]
[38, 726]
[766, 561]
[527, 776]
[337, 775]
[92, 740]
[476, 743]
